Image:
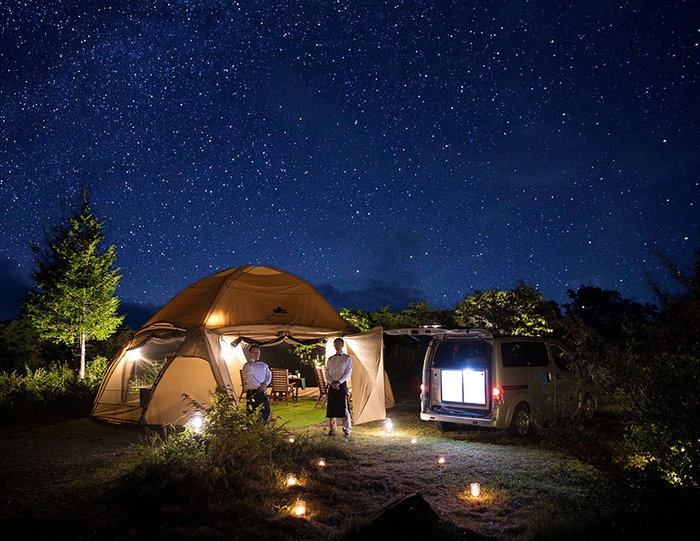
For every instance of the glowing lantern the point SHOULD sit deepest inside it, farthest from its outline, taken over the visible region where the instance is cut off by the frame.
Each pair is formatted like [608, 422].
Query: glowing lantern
[291, 479]
[414, 440]
[441, 460]
[291, 439]
[321, 462]
[388, 426]
[197, 422]
[475, 490]
[300, 508]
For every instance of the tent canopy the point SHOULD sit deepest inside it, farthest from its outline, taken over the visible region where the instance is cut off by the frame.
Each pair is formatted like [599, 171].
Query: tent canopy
[257, 302]
[197, 342]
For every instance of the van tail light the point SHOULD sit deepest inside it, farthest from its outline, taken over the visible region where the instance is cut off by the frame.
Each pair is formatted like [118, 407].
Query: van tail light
[423, 387]
[496, 396]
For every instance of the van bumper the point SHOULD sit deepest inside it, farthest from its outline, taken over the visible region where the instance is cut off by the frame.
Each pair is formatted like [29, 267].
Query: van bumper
[460, 420]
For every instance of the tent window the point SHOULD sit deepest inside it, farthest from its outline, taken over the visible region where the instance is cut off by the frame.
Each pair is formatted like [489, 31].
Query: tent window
[146, 361]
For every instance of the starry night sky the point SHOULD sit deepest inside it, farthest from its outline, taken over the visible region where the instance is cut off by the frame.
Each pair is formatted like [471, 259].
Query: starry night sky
[386, 152]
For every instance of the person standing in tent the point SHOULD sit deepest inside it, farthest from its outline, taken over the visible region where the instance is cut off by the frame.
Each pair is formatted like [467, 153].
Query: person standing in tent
[338, 370]
[257, 377]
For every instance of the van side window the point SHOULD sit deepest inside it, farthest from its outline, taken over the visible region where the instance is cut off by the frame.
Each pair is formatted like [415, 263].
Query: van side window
[522, 354]
[512, 355]
[562, 358]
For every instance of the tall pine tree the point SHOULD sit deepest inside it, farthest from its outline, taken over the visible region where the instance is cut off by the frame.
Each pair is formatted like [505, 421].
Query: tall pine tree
[74, 300]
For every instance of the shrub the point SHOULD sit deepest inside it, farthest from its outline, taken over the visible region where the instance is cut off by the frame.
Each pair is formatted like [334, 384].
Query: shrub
[53, 389]
[236, 453]
[95, 372]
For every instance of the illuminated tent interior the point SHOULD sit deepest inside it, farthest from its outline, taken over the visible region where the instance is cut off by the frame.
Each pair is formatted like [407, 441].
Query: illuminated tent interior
[199, 340]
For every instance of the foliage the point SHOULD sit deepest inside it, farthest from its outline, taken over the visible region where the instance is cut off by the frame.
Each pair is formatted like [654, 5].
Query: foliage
[20, 346]
[309, 354]
[110, 346]
[652, 370]
[95, 372]
[236, 453]
[36, 392]
[361, 319]
[521, 311]
[418, 314]
[75, 283]
[606, 311]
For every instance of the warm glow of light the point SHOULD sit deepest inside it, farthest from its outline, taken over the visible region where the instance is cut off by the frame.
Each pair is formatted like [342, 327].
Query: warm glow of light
[215, 319]
[321, 462]
[300, 508]
[495, 392]
[291, 479]
[291, 439]
[475, 490]
[197, 422]
[441, 460]
[414, 441]
[388, 426]
[133, 355]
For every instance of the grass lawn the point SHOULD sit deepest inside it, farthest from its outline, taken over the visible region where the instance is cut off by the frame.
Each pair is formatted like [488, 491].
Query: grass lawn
[66, 480]
[299, 414]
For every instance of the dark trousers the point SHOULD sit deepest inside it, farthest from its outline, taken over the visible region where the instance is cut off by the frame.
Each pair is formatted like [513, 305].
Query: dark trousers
[258, 399]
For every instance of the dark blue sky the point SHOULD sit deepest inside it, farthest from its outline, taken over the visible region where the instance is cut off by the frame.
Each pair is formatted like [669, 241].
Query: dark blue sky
[386, 152]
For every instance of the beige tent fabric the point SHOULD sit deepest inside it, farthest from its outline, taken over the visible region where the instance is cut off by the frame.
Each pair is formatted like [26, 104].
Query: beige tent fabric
[168, 405]
[259, 302]
[194, 345]
[370, 394]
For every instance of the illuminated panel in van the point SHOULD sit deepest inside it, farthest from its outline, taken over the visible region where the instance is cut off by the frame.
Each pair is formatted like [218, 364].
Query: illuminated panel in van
[474, 386]
[465, 386]
[451, 385]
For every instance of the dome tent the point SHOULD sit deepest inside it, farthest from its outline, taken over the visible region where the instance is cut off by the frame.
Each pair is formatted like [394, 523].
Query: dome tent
[197, 342]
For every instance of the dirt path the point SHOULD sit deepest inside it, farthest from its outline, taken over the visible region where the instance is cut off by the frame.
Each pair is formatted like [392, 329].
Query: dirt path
[38, 462]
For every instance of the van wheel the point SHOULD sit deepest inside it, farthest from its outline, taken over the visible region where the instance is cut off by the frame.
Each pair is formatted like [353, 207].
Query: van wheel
[442, 426]
[520, 424]
[588, 407]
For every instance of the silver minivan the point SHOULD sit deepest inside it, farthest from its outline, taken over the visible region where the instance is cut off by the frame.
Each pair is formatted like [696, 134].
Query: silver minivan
[472, 378]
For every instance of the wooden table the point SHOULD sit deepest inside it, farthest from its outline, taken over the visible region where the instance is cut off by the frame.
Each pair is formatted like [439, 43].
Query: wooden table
[297, 382]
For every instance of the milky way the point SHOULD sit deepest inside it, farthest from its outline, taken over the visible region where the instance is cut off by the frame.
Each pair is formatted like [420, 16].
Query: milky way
[384, 152]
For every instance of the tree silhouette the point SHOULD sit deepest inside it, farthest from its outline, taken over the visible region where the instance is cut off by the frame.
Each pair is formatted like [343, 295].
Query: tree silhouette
[521, 311]
[73, 300]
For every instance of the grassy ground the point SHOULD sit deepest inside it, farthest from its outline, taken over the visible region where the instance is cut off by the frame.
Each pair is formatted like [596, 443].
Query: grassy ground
[66, 480]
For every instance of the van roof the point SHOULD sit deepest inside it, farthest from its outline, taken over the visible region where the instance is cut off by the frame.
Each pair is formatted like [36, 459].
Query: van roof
[440, 332]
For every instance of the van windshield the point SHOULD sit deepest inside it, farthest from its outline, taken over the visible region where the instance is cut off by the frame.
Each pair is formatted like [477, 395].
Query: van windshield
[461, 354]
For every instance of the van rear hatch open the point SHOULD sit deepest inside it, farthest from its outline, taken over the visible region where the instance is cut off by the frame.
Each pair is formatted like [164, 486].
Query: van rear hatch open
[459, 374]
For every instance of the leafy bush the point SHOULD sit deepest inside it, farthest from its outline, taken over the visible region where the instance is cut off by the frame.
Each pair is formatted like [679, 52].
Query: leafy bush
[43, 390]
[95, 372]
[651, 369]
[236, 454]
[310, 354]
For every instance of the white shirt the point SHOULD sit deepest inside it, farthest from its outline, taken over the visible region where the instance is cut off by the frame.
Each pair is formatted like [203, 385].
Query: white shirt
[256, 374]
[338, 368]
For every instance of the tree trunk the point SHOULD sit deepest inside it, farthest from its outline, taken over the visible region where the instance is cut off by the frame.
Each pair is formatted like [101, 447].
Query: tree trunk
[81, 370]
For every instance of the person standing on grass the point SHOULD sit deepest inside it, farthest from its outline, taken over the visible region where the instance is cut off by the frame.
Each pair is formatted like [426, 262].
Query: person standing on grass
[338, 370]
[257, 377]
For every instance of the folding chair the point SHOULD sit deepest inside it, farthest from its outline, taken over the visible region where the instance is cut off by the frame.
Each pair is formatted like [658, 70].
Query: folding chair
[322, 388]
[281, 388]
[244, 387]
